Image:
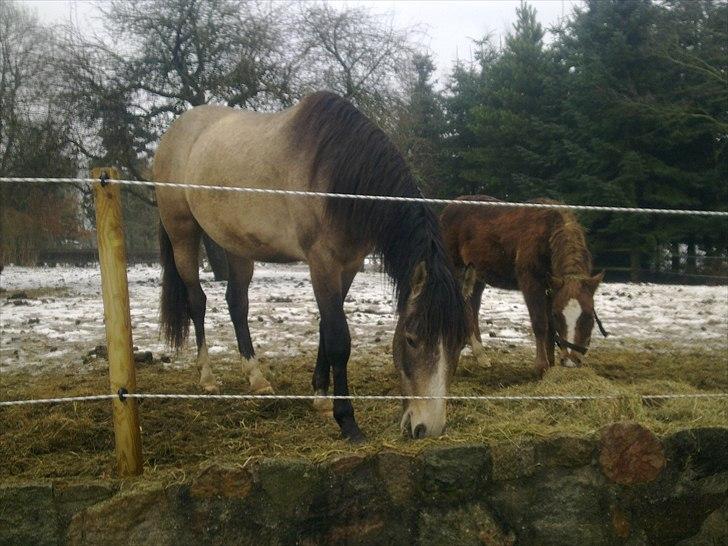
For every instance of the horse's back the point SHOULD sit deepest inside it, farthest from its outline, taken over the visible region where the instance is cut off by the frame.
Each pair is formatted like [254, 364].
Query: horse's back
[222, 146]
[207, 128]
[491, 238]
[177, 142]
[455, 213]
[464, 222]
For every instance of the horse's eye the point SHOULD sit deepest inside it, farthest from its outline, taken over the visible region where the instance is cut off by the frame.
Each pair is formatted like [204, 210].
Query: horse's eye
[411, 341]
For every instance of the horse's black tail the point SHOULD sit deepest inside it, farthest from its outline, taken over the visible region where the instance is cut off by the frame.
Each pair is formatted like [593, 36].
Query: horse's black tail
[174, 315]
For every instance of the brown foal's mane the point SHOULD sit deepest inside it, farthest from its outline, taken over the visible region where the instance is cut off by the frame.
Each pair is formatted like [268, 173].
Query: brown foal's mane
[570, 257]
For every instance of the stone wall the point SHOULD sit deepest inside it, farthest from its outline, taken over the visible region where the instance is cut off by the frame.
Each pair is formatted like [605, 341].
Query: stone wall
[616, 489]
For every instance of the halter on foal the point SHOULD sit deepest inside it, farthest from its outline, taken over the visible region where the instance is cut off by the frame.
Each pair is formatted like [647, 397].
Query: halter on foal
[560, 341]
[541, 252]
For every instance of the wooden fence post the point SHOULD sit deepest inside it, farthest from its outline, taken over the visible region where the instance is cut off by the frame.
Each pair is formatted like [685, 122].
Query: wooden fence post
[112, 259]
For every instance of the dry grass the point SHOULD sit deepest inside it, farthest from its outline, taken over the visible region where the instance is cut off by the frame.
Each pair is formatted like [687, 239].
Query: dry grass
[70, 440]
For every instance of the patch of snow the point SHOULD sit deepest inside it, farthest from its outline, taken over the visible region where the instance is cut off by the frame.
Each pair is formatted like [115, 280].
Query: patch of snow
[63, 318]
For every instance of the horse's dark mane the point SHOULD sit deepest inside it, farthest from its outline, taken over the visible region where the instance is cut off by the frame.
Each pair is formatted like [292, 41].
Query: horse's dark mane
[354, 156]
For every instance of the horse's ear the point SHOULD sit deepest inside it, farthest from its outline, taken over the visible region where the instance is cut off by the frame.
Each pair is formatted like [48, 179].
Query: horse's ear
[469, 279]
[593, 282]
[419, 278]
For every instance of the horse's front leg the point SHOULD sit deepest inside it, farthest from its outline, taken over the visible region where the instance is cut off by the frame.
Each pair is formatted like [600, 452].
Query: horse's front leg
[538, 311]
[241, 273]
[550, 339]
[322, 372]
[335, 342]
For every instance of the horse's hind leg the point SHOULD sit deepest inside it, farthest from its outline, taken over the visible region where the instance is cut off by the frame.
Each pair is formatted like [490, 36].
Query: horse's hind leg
[476, 342]
[322, 372]
[240, 274]
[186, 244]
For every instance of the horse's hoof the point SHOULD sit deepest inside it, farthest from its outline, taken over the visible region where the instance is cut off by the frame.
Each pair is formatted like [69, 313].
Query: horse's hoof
[355, 437]
[259, 384]
[483, 360]
[324, 407]
[211, 389]
[265, 389]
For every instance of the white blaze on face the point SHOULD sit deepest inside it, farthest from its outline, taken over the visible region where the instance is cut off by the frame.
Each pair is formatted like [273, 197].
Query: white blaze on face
[432, 413]
[571, 315]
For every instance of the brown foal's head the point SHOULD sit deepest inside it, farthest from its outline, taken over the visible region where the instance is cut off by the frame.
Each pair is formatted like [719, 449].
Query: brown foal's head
[573, 315]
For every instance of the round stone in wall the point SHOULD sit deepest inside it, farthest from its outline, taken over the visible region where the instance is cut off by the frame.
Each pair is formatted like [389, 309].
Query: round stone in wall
[630, 454]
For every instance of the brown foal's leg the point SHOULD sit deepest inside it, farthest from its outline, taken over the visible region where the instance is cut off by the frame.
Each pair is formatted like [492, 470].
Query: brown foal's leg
[476, 341]
[550, 338]
[538, 311]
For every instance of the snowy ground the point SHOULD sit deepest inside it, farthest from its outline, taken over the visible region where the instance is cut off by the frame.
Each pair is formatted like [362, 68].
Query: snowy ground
[61, 318]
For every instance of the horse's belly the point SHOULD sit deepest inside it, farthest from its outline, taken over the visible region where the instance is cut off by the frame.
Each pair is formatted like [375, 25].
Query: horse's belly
[495, 266]
[260, 235]
[500, 280]
[260, 246]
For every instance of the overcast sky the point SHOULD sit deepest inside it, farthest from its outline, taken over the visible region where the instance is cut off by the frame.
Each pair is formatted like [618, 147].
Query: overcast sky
[448, 25]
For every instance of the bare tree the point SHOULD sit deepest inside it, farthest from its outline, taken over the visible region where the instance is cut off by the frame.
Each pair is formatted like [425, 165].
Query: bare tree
[360, 55]
[26, 82]
[160, 57]
[192, 52]
[33, 125]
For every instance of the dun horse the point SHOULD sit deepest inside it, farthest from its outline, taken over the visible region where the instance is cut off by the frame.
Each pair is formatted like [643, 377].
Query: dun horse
[541, 252]
[322, 144]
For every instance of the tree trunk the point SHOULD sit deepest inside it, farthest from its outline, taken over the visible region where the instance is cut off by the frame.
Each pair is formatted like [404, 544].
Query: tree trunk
[675, 258]
[634, 265]
[691, 266]
[216, 257]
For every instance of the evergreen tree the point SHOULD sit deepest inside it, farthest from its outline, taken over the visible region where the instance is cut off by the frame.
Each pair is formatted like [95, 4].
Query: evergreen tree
[421, 127]
[464, 93]
[516, 134]
[640, 142]
[515, 149]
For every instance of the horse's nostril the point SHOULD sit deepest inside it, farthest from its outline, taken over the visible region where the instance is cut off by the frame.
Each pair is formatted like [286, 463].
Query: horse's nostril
[420, 431]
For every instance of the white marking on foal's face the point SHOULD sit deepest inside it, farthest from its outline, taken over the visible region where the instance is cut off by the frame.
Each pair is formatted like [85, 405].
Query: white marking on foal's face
[572, 311]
